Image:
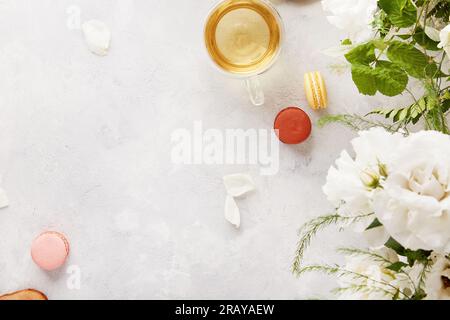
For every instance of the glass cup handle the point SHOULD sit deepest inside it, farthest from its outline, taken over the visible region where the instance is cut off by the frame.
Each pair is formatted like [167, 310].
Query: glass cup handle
[255, 91]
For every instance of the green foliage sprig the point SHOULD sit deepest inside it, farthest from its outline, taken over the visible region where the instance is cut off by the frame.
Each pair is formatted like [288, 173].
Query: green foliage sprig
[355, 122]
[310, 230]
[400, 51]
[413, 258]
[372, 284]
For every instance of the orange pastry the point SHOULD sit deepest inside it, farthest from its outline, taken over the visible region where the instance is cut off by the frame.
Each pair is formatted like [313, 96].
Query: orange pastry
[27, 294]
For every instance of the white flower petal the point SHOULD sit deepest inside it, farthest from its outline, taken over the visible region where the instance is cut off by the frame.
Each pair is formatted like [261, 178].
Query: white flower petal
[376, 272]
[352, 16]
[238, 184]
[432, 33]
[97, 36]
[413, 202]
[413, 205]
[444, 37]
[376, 145]
[376, 237]
[232, 213]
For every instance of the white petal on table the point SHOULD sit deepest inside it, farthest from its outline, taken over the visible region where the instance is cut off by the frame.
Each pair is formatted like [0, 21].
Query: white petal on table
[97, 36]
[4, 202]
[238, 184]
[232, 213]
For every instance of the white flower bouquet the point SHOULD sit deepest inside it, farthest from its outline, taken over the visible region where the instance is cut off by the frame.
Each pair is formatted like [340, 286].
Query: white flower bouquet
[395, 190]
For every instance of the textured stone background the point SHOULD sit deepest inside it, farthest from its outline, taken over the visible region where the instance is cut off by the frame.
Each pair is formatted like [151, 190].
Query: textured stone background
[85, 149]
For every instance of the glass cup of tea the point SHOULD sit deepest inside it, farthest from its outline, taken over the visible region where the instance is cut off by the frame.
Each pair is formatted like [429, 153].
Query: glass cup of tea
[243, 39]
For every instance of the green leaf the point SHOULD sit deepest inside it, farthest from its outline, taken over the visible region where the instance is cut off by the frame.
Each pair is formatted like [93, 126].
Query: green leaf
[394, 245]
[416, 255]
[397, 266]
[346, 42]
[416, 111]
[421, 38]
[432, 71]
[381, 23]
[410, 59]
[401, 13]
[380, 44]
[445, 106]
[386, 77]
[415, 120]
[404, 36]
[391, 80]
[441, 10]
[422, 104]
[420, 294]
[432, 103]
[396, 295]
[382, 112]
[411, 255]
[375, 224]
[363, 77]
[393, 114]
[362, 54]
[401, 115]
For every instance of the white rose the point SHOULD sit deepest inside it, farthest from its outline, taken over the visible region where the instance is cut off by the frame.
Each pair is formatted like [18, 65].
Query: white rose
[348, 184]
[378, 281]
[414, 203]
[375, 146]
[353, 16]
[344, 186]
[437, 282]
[444, 37]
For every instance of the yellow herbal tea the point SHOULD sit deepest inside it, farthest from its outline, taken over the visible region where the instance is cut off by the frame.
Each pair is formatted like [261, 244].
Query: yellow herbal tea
[243, 36]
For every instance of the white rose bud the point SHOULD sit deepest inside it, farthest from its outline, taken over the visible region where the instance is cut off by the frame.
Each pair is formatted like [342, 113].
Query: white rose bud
[370, 179]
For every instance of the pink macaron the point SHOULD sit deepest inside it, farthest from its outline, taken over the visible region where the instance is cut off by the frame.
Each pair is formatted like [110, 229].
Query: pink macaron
[50, 250]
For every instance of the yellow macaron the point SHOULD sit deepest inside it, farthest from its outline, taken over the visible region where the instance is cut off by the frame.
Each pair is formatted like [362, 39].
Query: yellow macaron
[316, 91]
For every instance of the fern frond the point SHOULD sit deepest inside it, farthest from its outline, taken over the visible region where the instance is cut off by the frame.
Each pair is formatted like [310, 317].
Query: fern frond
[423, 275]
[341, 272]
[376, 258]
[311, 228]
[354, 122]
[360, 288]
[361, 252]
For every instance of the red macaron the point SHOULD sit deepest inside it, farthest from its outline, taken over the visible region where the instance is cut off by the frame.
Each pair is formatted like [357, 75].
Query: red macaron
[292, 125]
